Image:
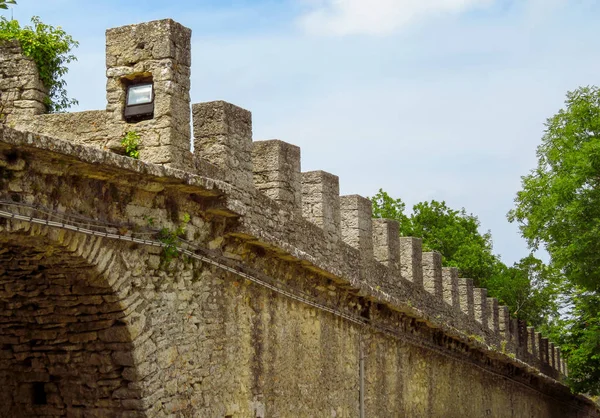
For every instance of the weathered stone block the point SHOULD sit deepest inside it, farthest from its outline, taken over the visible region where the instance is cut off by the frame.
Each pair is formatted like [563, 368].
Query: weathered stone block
[411, 259]
[156, 40]
[533, 347]
[356, 225]
[115, 334]
[481, 308]
[467, 301]
[537, 337]
[223, 136]
[277, 174]
[83, 337]
[450, 286]
[551, 355]
[544, 349]
[386, 243]
[494, 315]
[167, 357]
[123, 358]
[521, 335]
[321, 202]
[504, 322]
[432, 273]
[22, 93]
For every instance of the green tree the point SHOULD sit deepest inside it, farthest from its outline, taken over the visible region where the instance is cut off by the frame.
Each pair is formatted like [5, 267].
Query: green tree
[384, 206]
[578, 335]
[453, 233]
[50, 48]
[529, 288]
[559, 208]
[4, 3]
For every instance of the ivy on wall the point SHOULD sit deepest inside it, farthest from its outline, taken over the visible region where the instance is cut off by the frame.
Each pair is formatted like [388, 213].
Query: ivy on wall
[50, 48]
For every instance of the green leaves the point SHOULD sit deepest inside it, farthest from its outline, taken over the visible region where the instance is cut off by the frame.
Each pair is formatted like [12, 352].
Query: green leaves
[578, 335]
[386, 207]
[50, 48]
[559, 206]
[170, 239]
[454, 234]
[529, 288]
[4, 3]
[131, 143]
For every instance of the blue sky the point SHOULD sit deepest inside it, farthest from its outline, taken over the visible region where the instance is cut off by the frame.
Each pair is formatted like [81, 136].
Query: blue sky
[427, 99]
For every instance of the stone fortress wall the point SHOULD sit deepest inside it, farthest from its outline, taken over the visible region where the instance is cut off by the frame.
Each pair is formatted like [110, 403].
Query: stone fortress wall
[357, 320]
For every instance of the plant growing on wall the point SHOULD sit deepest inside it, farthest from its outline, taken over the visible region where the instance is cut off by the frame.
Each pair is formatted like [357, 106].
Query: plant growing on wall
[131, 143]
[50, 48]
[170, 239]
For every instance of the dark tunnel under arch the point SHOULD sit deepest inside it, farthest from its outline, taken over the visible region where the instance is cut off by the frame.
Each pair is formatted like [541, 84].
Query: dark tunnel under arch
[65, 348]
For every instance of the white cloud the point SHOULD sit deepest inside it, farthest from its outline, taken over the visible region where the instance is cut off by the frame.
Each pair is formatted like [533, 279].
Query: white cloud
[377, 17]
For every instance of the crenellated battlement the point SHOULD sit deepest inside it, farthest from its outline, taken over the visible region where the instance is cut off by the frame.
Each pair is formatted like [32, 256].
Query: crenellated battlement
[333, 235]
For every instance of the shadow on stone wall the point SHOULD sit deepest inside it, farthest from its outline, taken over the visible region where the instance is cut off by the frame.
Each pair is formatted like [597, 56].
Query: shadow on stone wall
[64, 347]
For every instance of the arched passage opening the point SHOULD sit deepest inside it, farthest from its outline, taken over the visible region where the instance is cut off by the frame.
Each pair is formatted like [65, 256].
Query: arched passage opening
[65, 349]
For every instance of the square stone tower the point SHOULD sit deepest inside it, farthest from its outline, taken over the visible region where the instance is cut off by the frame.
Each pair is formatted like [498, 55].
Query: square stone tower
[22, 93]
[156, 53]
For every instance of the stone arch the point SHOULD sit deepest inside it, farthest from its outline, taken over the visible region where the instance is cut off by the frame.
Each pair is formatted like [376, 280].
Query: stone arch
[67, 334]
